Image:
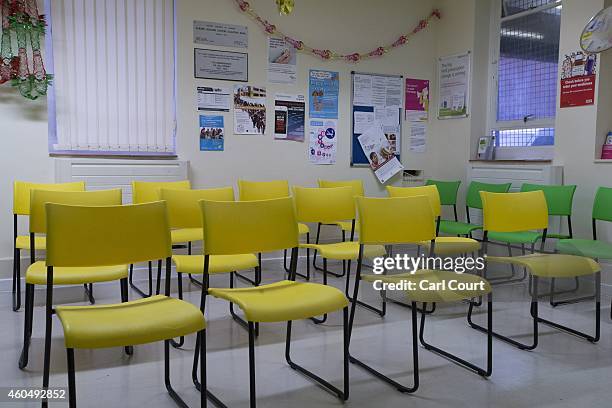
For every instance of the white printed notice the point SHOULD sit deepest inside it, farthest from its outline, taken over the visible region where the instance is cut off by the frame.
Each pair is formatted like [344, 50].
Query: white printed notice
[418, 132]
[213, 99]
[323, 141]
[282, 61]
[226, 35]
[379, 152]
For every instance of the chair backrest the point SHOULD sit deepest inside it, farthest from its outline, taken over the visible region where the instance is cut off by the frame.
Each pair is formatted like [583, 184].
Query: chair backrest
[243, 227]
[602, 206]
[357, 185]
[262, 190]
[108, 235]
[431, 192]
[148, 191]
[22, 189]
[395, 220]
[447, 190]
[324, 205]
[472, 199]
[38, 199]
[559, 198]
[184, 208]
[514, 212]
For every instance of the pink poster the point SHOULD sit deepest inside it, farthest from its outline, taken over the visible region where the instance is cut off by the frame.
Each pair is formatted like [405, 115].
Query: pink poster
[417, 98]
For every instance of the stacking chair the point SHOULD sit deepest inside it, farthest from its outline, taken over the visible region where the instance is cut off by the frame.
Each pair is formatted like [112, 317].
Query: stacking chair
[592, 248]
[267, 190]
[472, 201]
[232, 228]
[21, 207]
[345, 226]
[81, 238]
[326, 206]
[528, 211]
[448, 192]
[36, 273]
[184, 212]
[146, 192]
[412, 221]
[445, 245]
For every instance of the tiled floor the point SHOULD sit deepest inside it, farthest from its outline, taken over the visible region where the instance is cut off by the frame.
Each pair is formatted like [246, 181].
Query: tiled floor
[564, 371]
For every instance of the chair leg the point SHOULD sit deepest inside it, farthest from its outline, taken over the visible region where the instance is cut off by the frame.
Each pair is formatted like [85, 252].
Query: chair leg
[554, 303]
[314, 257]
[235, 316]
[381, 312]
[27, 325]
[71, 378]
[257, 277]
[89, 293]
[252, 390]
[48, 329]
[485, 372]
[16, 279]
[307, 276]
[136, 288]
[342, 394]
[201, 347]
[324, 318]
[181, 341]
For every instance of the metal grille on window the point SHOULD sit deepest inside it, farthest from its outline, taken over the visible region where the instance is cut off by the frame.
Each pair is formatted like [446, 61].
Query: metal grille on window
[524, 137]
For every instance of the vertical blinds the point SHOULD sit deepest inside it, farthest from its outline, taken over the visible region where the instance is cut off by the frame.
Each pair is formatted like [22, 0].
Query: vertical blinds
[113, 62]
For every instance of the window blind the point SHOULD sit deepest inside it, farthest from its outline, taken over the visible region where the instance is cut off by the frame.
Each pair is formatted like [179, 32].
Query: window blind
[114, 73]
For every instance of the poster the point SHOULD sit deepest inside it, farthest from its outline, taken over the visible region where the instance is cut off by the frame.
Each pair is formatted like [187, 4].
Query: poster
[289, 117]
[213, 99]
[323, 141]
[378, 151]
[249, 110]
[225, 35]
[323, 90]
[211, 133]
[454, 86]
[225, 65]
[578, 79]
[416, 102]
[282, 61]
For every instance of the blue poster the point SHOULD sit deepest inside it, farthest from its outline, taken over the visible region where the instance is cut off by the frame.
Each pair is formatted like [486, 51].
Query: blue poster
[211, 133]
[323, 89]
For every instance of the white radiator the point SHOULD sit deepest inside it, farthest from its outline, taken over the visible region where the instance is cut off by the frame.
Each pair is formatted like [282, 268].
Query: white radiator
[101, 174]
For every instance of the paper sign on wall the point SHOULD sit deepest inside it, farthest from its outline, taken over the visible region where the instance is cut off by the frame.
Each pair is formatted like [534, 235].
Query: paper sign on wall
[578, 79]
[282, 61]
[454, 86]
[378, 150]
[289, 117]
[323, 141]
[211, 133]
[226, 35]
[323, 90]
[249, 110]
[417, 99]
[213, 99]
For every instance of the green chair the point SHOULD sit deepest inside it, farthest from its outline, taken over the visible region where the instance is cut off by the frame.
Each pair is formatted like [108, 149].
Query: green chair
[448, 192]
[559, 199]
[592, 248]
[472, 201]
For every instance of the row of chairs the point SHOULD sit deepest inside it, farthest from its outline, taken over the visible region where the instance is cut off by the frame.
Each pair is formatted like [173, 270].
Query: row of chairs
[244, 232]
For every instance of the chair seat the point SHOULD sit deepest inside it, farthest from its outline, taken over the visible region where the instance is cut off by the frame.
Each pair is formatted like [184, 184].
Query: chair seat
[453, 245]
[37, 274]
[585, 247]
[23, 242]
[181, 235]
[521, 237]
[194, 264]
[346, 226]
[437, 286]
[346, 250]
[303, 229]
[124, 324]
[283, 301]
[552, 265]
[457, 227]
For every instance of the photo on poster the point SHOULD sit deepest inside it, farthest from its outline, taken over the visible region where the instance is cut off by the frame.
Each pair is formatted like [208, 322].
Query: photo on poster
[212, 133]
[282, 61]
[289, 117]
[249, 110]
[323, 141]
[323, 91]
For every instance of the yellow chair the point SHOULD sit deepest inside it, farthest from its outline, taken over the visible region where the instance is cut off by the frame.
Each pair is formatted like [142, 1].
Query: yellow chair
[325, 206]
[345, 226]
[267, 190]
[232, 228]
[146, 192]
[412, 221]
[528, 211]
[184, 212]
[21, 207]
[36, 273]
[92, 237]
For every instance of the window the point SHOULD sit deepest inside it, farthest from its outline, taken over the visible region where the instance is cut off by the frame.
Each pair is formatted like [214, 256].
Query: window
[525, 72]
[113, 65]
